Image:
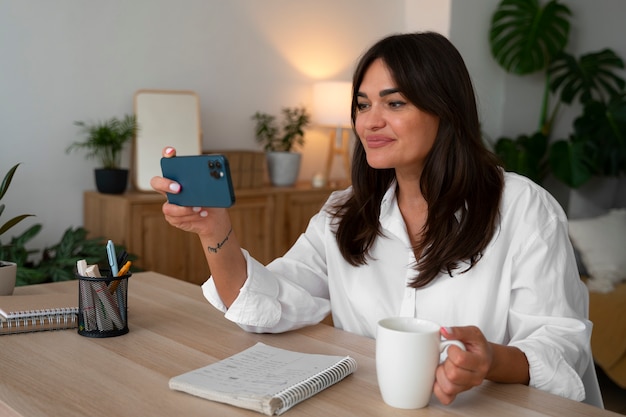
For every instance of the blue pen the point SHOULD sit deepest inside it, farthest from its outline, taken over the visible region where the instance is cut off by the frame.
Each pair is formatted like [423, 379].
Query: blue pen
[112, 258]
[114, 272]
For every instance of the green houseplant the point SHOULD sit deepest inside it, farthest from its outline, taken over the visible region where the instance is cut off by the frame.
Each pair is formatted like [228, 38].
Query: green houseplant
[279, 143]
[4, 187]
[56, 263]
[105, 141]
[268, 133]
[526, 38]
[8, 269]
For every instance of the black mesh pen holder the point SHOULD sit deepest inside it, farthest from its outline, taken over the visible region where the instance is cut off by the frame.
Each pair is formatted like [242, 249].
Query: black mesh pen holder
[102, 305]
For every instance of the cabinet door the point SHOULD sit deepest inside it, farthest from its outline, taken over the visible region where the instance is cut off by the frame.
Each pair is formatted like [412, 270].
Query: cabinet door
[299, 207]
[251, 217]
[106, 217]
[166, 249]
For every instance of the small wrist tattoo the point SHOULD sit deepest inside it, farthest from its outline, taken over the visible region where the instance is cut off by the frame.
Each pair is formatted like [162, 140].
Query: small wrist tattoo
[222, 243]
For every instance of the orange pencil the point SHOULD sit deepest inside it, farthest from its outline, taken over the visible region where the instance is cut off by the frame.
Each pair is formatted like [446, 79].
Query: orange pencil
[124, 269]
[122, 272]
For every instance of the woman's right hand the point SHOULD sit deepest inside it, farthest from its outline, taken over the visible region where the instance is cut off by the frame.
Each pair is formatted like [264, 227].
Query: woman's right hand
[219, 242]
[201, 220]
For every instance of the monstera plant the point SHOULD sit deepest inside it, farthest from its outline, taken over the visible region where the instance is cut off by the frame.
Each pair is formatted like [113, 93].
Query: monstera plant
[527, 37]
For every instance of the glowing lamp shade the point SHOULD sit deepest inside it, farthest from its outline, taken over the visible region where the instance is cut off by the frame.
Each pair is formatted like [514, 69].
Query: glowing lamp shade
[331, 103]
[331, 107]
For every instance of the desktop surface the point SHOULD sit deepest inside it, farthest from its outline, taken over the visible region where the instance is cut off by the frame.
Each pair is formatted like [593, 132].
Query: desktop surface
[173, 330]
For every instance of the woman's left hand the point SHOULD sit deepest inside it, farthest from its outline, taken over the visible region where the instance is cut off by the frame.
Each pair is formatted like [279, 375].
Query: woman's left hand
[462, 370]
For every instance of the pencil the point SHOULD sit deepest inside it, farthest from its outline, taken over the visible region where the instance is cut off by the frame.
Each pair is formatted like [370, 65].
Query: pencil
[122, 272]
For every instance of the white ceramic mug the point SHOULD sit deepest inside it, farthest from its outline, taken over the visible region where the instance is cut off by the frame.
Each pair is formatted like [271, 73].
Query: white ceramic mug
[408, 351]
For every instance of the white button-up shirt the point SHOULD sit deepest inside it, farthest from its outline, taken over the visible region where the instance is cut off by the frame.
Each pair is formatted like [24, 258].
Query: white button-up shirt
[524, 292]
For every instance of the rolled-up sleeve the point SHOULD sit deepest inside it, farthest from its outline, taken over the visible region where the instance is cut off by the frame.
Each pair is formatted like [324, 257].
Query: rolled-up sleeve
[555, 356]
[257, 304]
[289, 293]
[548, 313]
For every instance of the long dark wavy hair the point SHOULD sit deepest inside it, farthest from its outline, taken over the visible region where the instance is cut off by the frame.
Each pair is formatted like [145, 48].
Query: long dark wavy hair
[461, 181]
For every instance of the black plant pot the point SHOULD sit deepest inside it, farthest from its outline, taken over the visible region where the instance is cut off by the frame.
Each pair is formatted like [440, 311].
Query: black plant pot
[111, 181]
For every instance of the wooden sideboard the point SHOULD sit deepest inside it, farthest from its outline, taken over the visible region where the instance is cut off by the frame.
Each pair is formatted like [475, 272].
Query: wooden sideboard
[267, 221]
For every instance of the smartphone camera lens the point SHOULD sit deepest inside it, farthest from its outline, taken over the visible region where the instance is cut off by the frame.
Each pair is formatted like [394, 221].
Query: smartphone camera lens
[218, 164]
[211, 164]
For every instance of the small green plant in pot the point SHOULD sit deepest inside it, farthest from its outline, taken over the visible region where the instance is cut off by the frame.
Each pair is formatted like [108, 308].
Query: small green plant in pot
[279, 142]
[8, 270]
[105, 141]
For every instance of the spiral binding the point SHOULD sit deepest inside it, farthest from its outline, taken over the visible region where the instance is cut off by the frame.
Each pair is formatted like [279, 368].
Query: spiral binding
[35, 320]
[318, 382]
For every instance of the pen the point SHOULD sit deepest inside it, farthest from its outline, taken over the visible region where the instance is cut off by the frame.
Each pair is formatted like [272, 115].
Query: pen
[122, 258]
[112, 258]
[124, 269]
[122, 272]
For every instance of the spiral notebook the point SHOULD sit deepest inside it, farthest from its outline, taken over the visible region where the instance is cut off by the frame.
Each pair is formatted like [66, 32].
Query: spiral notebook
[38, 312]
[265, 378]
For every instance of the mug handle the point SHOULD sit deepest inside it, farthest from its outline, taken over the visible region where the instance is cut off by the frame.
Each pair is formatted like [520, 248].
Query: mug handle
[445, 344]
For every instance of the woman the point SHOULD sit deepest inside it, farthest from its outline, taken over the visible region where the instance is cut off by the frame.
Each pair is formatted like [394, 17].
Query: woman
[431, 227]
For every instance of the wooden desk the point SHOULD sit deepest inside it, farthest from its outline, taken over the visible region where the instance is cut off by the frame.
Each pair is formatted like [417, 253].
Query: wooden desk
[174, 330]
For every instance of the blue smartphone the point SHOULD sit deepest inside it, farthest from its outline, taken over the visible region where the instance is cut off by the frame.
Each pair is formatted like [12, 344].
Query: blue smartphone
[204, 179]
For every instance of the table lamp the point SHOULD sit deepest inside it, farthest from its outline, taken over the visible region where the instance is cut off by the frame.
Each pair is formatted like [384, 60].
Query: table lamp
[331, 107]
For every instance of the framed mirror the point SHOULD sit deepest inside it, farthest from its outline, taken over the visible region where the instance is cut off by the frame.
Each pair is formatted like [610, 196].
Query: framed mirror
[165, 118]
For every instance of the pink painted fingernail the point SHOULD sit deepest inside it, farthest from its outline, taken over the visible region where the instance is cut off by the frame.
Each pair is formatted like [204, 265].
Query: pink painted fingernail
[169, 150]
[175, 187]
[447, 330]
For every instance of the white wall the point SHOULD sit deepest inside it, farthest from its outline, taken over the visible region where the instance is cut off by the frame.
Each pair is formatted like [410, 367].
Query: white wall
[68, 60]
[426, 15]
[469, 28]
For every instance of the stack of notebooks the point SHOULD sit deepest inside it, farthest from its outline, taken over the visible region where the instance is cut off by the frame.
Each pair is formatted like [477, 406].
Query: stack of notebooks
[33, 313]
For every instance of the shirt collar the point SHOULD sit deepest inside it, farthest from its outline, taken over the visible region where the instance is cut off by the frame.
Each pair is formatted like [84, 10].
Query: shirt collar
[389, 200]
[390, 218]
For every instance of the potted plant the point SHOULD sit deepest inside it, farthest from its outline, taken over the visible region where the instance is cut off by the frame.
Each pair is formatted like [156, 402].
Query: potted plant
[279, 142]
[525, 38]
[8, 270]
[105, 141]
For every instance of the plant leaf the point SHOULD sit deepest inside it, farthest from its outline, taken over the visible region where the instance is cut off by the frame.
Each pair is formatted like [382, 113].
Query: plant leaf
[603, 128]
[592, 77]
[10, 223]
[524, 155]
[524, 37]
[569, 162]
[7, 181]
[105, 140]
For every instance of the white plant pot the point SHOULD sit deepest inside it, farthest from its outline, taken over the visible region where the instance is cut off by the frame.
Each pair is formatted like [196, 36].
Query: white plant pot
[8, 272]
[593, 198]
[283, 168]
[620, 198]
